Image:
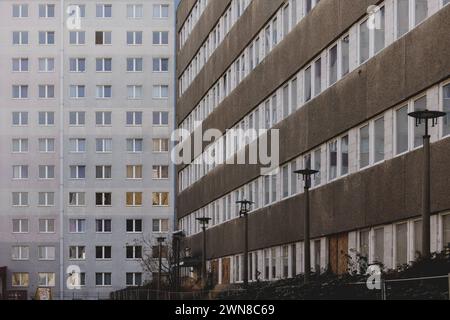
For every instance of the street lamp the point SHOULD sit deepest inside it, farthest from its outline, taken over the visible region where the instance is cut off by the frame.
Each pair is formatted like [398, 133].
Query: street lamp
[177, 236]
[307, 174]
[424, 116]
[204, 223]
[243, 212]
[160, 243]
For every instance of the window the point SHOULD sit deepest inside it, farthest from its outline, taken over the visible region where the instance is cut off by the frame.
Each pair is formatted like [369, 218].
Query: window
[46, 91]
[285, 181]
[103, 279]
[46, 64]
[77, 64]
[160, 145]
[82, 10]
[446, 231]
[333, 160]
[134, 172]
[134, 118]
[103, 11]
[134, 199]
[46, 172]
[77, 118]
[160, 172]
[160, 199]
[402, 135]
[135, 11]
[77, 172]
[20, 225]
[46, 37]
[134, 279]
[77, 145]
[446, 108]
[46, 225]
[77, 91]
[160, 64]
[344, 155]
[103, 252]
[103, 118]
[419, 131]
[20, 118]
[77, 199]
[20, 199]
[134, 252]
[160, 118]
[46, 253]
[380, 30]
[103, 145]
[103, 199]
[160, 11]
[103, 37]
[345, 55]
[333, 65]
[77, 253]
[379, 140]
[135, 145]
[134, 65]
[77, 225]
[20, 253]
[20, 279]
[20, 64]
[307, 89]
[409, 14]
[364, 240]
[160, 37]
[134, 226]
[46, 199]
[134, 37]
[46, 118]
[104, 92]
[401, 244]
[20, 10]
[317, 160]
[19, 145]
[161, 92]
[364, 42]
[135, 92]
[20, 172]
[46, 11]
[77, 37]
[20, 37]
[364, 147]
[372, 35]
[160, 225]
[103, 226]
[103, 64]
[379, 245]
[103, 172]
[20, 92]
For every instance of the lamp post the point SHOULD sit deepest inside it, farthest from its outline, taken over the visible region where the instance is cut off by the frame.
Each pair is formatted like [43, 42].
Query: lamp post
[160, 243]
[243, 212]
[204, 223]
[307, 174]
[177, 236]
[424, 116]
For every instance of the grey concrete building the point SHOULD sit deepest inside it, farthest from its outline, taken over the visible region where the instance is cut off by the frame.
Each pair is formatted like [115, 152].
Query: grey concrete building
[338, 81]
[85, 121]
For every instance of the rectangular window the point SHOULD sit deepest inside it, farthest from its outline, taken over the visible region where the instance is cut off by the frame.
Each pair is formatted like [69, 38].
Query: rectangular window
[160, 199]
[160, 172]
[364, 146]
[161, 92]
[77, 253]
[77, 91]
[134, 199]
[20, 10]
[46, 253]
[160, 145]
[103, 145]
[364, 42]
[46, 279]
[77, 145]
[77, 225]
[77, 37]
[46, 11]
[46, 199]
[46, 37]
[420, 11]
[344, 156]
[446, 109]
[345, 55]
[103, 11]
[134, 118]
[20, 279]
[103, 172]
[160, 37]
[46, 64]
[103, 279]
[379, 245]
[134, 279]
[160, 64]
[20, 199]
[134, 172]
[379, 140]
[134, 37]
[20, 172]
[308, 91]
[402, 17]
[133, 252]
[20, 225]
[318, 163]
[160, 225]
[419, 131]
[380, 31]
[134, 65]
[77, 64]
[77, 172]
[19, 145]
[103, 252]
[104, 92]
[103, 225]
[135, 92]
[134, 226]
[81, 10]
[20, 253]
[134, 145]
[103, 64]
[46, 118]
[333, 65]
[402, 136]
[103, 199]
[46, 91]
[103, 118]
[46, 172]
[160, 11]
[135, 11]
[401, 244]
[103, 37]
[20, 118]
[446, 231]
[364, 241]
[160, 118]
[77, 199]
[46, 225]
[20, 64]
[20, 37]
[20, 92]
[317, 77]
[332, 165]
